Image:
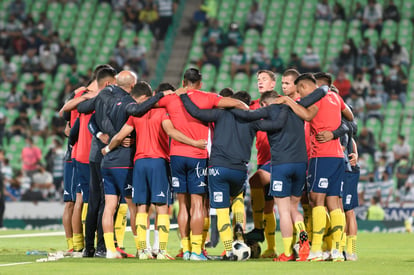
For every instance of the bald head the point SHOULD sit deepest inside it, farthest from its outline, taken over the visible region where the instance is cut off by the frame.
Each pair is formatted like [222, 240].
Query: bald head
[126, 80]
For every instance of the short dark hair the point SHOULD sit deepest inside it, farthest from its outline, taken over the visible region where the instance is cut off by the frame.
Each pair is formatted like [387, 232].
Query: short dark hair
[305, 76]
[141, 88]
[97, 69]
[243, 96]
[268, 95]
[105, 73]
[291, 72]
[324, 76]
[164, 87]
[226, 92]
[271, 74]
[192, 75]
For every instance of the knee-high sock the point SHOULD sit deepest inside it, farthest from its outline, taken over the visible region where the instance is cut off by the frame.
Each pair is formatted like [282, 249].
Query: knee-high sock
[351, 244]
[163, 223]
[269, 230]
[224, 228]
[142, 221]
[206, 226]
[337, 227]
[120, 223]
[238, 209]
[297, 228]
[327, 236]
[156, 244]
[343, 235]
[258, 203]
[307, 218]
[109, 241]
[186, 244]
[69, 242]
[83, 216]
[196, 243]
[78, 242]
[287, 245]
[319, 223]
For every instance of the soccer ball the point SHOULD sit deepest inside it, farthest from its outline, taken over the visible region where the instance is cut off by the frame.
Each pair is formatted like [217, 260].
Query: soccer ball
[255, 250]
[241, 251]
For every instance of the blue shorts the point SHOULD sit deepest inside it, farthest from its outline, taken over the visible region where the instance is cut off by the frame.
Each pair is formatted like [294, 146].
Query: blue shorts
[265, 167]
[116, 181]
[151, 181]
[189, 175]
[325, 175]
[69, 186]
[224, 183]
[83, 176]
[288, 179]
[350, 190]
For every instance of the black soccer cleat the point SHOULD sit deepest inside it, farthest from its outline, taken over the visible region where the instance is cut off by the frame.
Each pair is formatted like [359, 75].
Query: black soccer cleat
[232, 257]
[255, 235]
[100, 254]
[88, 253]
[238, 234]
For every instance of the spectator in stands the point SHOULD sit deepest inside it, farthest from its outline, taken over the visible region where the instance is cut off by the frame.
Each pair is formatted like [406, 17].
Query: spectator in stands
[18, 9]
[365, 61]
[9, 71]
[338, 12]
[373, 105]
[344, 61]
[343, 85]
[58, 124]
[54, 163]
[6, 169]
[39, 124]
[383, 53]
[166, 9]
[130, 19]
[277, 64]
[399, 54]
[360, 85]
[31, 156]
[366, 142]
[214, 30]
[358, 12]
[33, 195]
[37, 83]
[255, 18]
[68, 53]
[401, 149]
[406, 193]
[260, 59]
[402, 171]
[391, 12]
[323, 11]
[382, 169]
[148, 17]
[44, 27]
[358, 105]
[372, 18]
[366, 175]
[5, 43]
[136, 57]
[20, 126]
[13, 26]
[375, 210]
[396, 84]
[72, 80]
[211, 53]
[383, 152]
[3, 121]
[31, 98]
[48, 60]
[13, 190]
[29, 26]
[294, 61]
[19, 44]
[43, 180]
[233, 37]
[30, 61]
[120, 53]
[239, 62]
[366, 44]
[378, 85]
[119, 5]
[310, 61]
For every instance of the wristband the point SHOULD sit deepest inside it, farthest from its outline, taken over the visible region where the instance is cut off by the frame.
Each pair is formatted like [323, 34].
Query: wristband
[107, 150]
[99, 134]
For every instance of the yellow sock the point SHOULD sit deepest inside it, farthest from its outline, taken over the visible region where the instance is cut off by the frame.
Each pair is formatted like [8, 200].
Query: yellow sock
[238, 209]
[351, 244]
[269, 230]
[142, 221]
[300, 226]
[136, 241]
[343, 235]
[307, 217]
[83, 216]
[287, 244]
[294, 236]
[186, 244]
[206, 227]
[196, 243]
[327, 237]
[258, 203]
[120, 224]
[337, 225]
[224, 228]
[78, 242]
[163, 225]
[69, 242]
[319, 223]
[109, 241]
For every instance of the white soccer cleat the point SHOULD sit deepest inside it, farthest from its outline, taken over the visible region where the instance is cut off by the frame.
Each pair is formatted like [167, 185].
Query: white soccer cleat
[337, 256]
[145, 254]
[163, 255]
[326, 255]
[351, 257]
[113, 254]
[315, 256]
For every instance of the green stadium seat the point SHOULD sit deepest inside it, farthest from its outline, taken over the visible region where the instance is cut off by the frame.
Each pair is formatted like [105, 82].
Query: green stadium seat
[240, 82]
[407, 8]
[223, 80]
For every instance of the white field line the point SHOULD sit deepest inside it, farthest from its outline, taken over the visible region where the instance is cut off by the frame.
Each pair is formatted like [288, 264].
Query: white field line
[11, 264]
[61, 233]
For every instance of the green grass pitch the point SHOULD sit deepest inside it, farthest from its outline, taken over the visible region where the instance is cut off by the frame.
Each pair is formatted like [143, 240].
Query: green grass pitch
[379, 253]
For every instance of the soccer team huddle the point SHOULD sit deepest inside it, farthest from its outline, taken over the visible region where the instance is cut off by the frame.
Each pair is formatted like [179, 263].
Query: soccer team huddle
[130, 148]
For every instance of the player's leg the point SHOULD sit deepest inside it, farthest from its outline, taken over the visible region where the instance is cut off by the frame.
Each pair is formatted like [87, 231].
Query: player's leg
[269, 224]
[69, 194]
[111, 203]
[350, 201]
[196, 222]
[78, 241]
[206, 224]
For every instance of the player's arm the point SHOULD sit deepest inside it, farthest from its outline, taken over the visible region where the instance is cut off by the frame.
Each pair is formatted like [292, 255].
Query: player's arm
[138, 110]
[87, 106]
[326, 136]
[228, 102]
[125, 131]
[274, 124]
[347, 113]
[251, 115]
[306, 114]
[74, 102]
[74, 133]
[206, 115]
[314, 97]
[96, 132]
[171, 131]
[353, 157]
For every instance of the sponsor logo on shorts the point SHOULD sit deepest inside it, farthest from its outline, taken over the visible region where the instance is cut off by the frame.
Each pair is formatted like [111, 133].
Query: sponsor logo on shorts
[218, 196]
[348, 199]
[129, 187]
[161, 194]
[65, 192]
[277, 185]
[200, 171]
[323, 183]
[202, 184]
[175, 182]
[213, 172]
